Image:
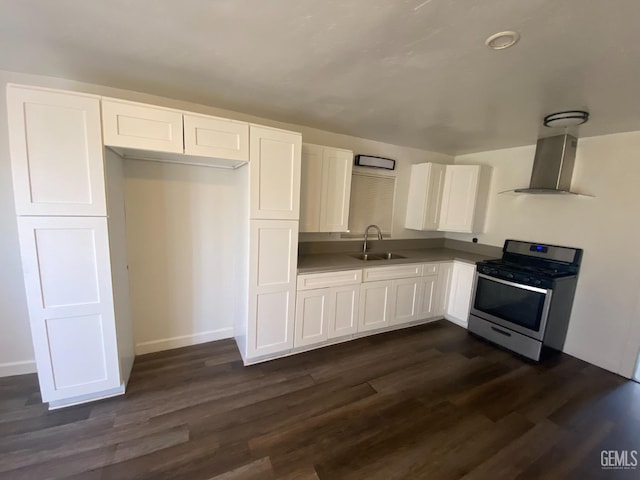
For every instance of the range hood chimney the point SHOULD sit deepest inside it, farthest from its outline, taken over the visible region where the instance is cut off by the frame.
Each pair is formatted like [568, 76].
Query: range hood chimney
[552, 165]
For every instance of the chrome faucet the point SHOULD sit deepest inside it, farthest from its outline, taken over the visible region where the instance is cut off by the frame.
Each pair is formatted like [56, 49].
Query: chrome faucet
[366, 236]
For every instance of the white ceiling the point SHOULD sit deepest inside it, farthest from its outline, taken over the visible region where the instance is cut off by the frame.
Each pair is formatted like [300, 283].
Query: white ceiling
[410, 72]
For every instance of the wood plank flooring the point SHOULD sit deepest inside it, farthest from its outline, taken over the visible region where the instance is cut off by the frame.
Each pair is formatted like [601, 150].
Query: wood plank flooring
[426, 402]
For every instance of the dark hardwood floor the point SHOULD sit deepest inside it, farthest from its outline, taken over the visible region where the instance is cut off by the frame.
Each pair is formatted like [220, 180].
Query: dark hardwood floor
[425, 402]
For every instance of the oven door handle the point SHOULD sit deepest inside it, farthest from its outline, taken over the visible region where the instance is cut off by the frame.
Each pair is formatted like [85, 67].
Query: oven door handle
[512, 284]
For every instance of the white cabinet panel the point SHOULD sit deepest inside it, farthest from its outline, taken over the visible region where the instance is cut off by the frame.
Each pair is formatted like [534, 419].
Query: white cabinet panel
[313, 311]
[272, 331]
[329, 279]
[274, 242]
[273, 252]
[425, 195]
[428, 288]
[143, 127]
[460, 295]
[375, 306]
[56, 152]
[76, 347]
[275, 157]
[344, 318]
[216, 137]
[405, 297]
[311, 187]
[442, 288]
[459, 198]
[336, 190]
[325, 189]
[390, 273]
[68, 283]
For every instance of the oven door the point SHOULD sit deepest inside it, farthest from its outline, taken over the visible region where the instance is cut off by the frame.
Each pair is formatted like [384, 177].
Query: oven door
[518, 307]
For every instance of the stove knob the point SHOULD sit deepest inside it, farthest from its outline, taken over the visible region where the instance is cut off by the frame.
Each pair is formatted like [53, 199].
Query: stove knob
[537, 282]
[485, 270]
[509, 275]
[526, 279]
[493, 272]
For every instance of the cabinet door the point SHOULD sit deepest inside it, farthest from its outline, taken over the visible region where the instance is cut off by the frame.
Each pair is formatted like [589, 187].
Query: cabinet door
[313, 311]
[442, 288]
[460, 296]
[142, 127]
[459, 198]
[375, 306]
[344, 318]
[56, 152]
[275, 157]
[425, 195]
[272, 284]
[428, 289]
[216, 137]
[68, 284]
[310, 188]
[405, 300]
[336, 190]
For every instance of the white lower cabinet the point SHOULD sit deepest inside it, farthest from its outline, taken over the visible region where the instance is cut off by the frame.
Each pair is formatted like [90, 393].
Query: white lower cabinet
[375, 305]
[427, 299]
[443, 287]
[460, 295]
[67, 274]
[336, 304]
[326, 313]
[343, 319]
[313, 308]
[405, 298]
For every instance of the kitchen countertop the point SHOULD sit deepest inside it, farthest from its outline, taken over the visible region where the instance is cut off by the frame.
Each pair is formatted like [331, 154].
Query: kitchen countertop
[328, 262]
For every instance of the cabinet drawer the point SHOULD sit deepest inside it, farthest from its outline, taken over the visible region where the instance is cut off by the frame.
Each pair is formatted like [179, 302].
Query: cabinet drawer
[329, 279]
[429, 269]
[216, 137]
[390, 273]
[144, 127]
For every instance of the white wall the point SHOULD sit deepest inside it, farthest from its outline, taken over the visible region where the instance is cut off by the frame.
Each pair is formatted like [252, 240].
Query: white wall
[183, 224]
[605, 321]
[16, 355]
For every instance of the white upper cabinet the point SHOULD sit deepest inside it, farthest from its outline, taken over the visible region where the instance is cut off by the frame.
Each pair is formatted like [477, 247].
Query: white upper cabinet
[275, 157]
[149, 132]
[326, 189]
[311, 188]
[142, 127]
[425, 194]
[463, 198]
[216, 137]
[449, 198]
[56, 152]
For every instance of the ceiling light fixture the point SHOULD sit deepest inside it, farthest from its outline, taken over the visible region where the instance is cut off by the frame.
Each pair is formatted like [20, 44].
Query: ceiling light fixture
[502, 40]
[570, 118]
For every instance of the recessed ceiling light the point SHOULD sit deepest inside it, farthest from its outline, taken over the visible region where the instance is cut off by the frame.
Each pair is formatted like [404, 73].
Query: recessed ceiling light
[501, 40]
[570, 118]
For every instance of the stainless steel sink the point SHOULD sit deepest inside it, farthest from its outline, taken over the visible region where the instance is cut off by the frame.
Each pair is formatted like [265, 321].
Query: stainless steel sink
[367, 257]
[391, 256]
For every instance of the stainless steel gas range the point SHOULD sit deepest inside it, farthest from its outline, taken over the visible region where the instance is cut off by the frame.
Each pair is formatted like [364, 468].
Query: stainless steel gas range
[523, 300]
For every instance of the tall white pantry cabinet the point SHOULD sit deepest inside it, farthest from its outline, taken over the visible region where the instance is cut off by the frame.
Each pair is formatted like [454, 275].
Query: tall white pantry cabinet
[71, 229]
[274, 211]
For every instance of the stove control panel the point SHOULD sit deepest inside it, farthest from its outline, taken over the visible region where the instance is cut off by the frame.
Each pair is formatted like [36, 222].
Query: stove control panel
[515, 277]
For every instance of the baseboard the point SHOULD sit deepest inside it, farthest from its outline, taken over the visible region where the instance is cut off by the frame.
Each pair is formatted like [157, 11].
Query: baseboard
[183, 341]
[17, 368]
[457, 321]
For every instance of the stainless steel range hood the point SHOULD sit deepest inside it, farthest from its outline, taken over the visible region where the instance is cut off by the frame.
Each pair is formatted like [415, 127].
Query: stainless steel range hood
[552, 166]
